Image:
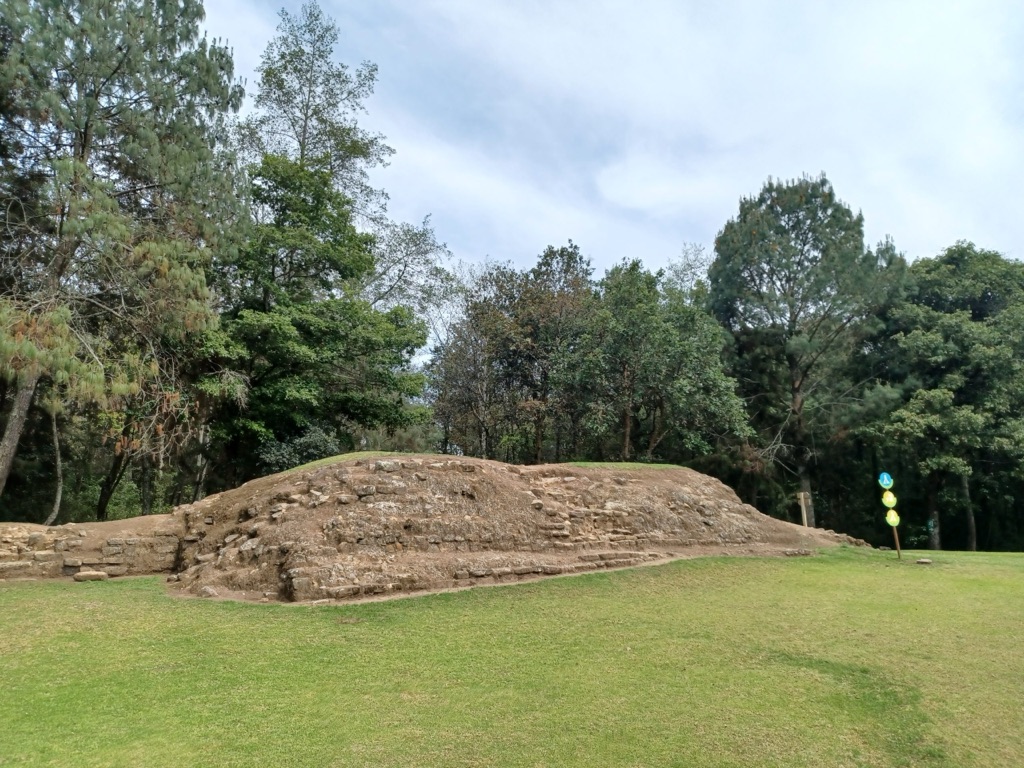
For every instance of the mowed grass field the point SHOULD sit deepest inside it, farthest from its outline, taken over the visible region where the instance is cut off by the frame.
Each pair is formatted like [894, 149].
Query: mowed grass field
[849, 658]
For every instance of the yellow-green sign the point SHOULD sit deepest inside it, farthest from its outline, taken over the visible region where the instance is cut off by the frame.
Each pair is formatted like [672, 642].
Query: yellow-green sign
[892, 518]
[889, 499]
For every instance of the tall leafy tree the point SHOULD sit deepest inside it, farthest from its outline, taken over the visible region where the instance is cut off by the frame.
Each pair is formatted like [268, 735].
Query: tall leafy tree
[318, 359]
[655, 360]
[307, 104]
[307, 109]
[793, 282]
[958, 343]
[115, 110]
[315, 311]
[547, 364]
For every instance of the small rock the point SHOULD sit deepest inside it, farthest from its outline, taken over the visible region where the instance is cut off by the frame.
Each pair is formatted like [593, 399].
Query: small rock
[538, 504]
[387, 465]
[91, 576]
[207, 591]
[208, 521]
[924, 561]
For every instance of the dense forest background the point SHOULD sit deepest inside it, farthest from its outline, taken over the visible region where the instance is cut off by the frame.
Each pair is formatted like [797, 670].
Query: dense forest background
[190, 299]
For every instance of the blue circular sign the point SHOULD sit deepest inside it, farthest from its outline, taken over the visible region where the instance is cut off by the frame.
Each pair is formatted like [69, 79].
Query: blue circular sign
[885, 480]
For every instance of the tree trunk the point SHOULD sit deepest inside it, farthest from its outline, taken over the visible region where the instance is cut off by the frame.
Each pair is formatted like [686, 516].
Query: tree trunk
[538, 439]
[972, 531]
[805, 488]
[934, 534]
[110, 483]
[15, 424]
[627, 428]
[144, 479]
[59, 470]
[202, 464]
[658, 430]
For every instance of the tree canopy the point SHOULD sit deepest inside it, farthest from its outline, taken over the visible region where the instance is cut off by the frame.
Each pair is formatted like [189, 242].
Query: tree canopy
[189, 300]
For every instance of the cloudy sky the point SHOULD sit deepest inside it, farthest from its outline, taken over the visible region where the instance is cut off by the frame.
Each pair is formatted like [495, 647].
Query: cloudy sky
[633, 128]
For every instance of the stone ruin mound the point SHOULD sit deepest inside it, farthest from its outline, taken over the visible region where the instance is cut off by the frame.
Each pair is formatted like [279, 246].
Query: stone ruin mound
[404, 524]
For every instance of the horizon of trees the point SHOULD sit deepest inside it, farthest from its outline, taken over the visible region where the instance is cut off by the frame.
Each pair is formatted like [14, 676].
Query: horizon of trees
[189, 300]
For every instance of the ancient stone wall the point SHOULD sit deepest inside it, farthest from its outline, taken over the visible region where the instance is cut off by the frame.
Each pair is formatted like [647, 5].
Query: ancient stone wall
[66, 550]
[412, 523]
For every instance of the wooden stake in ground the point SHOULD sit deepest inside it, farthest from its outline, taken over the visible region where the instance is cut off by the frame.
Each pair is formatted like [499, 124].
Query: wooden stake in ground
[892, 517]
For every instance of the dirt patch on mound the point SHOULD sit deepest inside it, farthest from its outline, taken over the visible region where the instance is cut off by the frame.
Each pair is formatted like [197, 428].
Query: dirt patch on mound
[377, 527]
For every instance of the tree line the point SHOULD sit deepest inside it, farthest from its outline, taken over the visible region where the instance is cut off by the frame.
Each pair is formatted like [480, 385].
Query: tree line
[190, 299]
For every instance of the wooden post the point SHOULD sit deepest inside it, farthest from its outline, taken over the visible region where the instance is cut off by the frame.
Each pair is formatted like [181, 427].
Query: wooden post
[896, 537]
[803, 506]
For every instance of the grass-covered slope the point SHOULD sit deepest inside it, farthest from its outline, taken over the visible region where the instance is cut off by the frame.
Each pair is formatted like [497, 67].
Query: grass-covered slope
[847, 659]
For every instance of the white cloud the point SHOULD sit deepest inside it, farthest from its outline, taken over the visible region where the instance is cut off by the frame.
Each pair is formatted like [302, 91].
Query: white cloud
[633, 128]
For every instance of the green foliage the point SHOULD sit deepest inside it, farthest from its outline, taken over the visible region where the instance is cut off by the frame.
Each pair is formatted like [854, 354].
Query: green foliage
[794, 284]
[303, 246]
[313, 444]
[114, 195]
[306, 104]
[549, 364]
[323, 355]
[170, 326]
[955, 357]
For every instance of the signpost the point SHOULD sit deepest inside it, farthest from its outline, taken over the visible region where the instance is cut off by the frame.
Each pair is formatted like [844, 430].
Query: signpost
[892, 517]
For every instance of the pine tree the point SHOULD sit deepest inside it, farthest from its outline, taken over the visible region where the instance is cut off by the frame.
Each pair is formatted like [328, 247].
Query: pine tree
[117, 109]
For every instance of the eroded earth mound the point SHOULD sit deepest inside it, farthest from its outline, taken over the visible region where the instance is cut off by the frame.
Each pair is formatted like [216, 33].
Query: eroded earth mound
[374, 527]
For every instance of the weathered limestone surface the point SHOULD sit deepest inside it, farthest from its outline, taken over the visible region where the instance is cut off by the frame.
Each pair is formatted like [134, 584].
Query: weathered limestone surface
[373, 527]
[33, 551]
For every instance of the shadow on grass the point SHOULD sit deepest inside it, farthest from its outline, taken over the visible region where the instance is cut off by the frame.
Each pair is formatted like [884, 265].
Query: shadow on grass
[890, 707]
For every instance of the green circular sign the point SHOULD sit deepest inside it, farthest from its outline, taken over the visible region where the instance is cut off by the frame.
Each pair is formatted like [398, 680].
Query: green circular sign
[892, 518]
[889, 499]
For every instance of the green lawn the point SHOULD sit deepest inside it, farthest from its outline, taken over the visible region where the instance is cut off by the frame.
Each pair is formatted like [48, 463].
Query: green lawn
[344, 457]
[846, 659]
